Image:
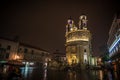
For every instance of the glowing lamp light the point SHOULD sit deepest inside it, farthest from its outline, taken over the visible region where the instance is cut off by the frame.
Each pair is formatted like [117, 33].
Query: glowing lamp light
[17, 57]
[93, 63]
[31, 63]
[80, 39]
[69, 21]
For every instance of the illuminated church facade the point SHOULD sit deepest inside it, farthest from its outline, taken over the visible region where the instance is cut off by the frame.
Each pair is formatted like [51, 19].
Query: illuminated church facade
[78, 42]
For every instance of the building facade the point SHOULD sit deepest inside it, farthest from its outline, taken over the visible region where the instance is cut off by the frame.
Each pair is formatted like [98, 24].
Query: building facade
[114, 41]
[78, 42]
[11, 51]
[58, 61]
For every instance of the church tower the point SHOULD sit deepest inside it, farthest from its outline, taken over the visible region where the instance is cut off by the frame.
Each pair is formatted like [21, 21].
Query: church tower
[78, 42]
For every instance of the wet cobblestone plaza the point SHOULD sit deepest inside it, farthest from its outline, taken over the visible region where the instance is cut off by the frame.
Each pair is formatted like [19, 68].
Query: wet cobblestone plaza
[40, 74]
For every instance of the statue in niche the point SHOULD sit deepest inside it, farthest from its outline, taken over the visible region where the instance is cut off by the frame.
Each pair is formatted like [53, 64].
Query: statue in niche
[83, 22]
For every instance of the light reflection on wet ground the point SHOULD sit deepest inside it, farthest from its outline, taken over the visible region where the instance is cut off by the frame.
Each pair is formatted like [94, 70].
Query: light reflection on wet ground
[32, 73]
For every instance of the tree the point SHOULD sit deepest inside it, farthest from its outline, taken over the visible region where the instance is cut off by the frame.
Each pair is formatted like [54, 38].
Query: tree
[106, 57]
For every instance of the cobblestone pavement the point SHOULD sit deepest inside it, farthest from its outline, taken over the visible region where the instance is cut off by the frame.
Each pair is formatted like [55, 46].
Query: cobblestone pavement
[39, 74]
[32, 73]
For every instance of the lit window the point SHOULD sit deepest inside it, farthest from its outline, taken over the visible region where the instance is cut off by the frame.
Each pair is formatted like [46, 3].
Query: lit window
[113, 51]
[85, 58]
[116, 48]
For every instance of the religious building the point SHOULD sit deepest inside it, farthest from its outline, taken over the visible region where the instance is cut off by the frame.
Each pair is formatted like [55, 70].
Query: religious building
[78, 42]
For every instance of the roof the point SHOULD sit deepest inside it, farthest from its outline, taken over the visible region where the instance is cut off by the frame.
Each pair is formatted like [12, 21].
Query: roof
[24, 44]
[31, 46]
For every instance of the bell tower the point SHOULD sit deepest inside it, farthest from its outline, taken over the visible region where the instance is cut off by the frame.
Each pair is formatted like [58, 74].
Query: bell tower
[78, 42]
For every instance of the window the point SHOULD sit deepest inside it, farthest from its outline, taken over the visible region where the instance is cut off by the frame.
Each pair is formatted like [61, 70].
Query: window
[42, 54]
[7, 55]
[8, 47]
[19, 49]
[25, 50]
[84, 50]
[32, 51]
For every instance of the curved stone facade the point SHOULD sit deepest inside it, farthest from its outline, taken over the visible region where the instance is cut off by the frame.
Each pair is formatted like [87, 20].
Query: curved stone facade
[78, 44]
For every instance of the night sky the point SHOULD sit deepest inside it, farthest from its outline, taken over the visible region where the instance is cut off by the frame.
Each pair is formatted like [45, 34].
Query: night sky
[42, 23]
